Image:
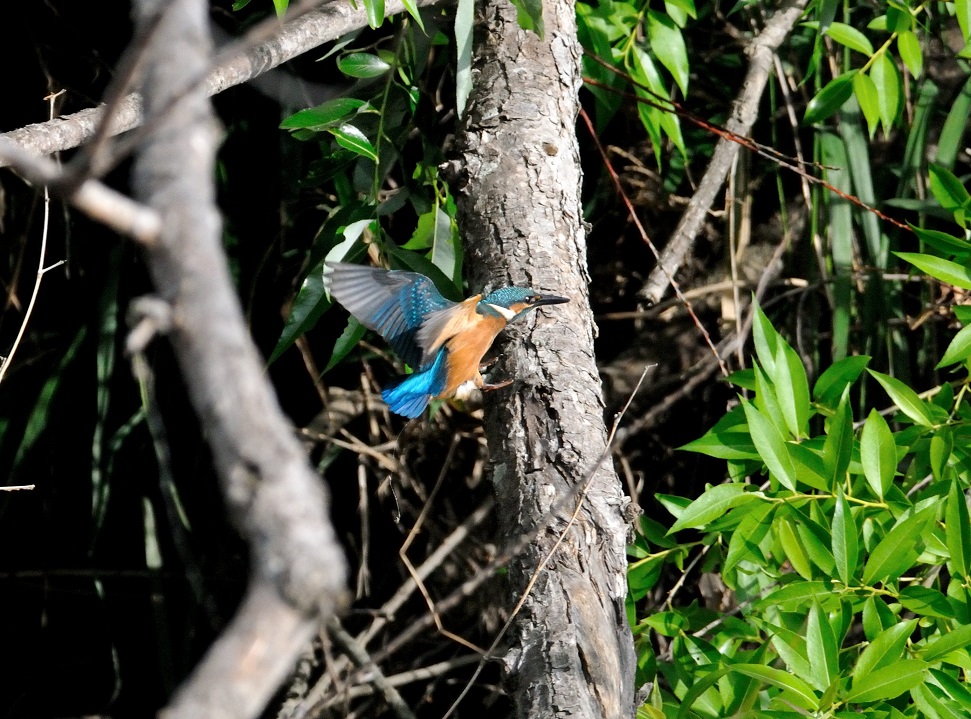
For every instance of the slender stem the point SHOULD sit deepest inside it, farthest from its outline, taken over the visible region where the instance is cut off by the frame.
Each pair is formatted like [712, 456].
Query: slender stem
[40, 264]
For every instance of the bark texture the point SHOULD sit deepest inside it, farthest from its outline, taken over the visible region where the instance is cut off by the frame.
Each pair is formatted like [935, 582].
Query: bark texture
[518, 179]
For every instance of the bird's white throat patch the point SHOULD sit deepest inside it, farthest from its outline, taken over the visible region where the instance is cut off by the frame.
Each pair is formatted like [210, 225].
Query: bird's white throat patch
[507, 313]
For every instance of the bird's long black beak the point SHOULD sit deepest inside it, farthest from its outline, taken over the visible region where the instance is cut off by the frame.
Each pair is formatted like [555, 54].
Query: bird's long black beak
[549, 300]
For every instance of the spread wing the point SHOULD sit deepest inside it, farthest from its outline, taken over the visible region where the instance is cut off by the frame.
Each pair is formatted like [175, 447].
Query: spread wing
[392, 303]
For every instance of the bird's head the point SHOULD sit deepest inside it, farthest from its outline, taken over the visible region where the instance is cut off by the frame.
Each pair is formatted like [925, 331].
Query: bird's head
[512, 302]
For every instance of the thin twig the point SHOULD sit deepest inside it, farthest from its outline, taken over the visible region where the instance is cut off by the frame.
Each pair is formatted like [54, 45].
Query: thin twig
[360, 657]
[644, 236]
[41, 270]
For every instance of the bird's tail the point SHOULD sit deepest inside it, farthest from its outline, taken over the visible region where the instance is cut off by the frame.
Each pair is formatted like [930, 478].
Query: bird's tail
[411, 394]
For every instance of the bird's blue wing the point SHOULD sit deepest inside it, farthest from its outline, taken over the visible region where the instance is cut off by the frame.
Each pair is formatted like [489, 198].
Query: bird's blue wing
[392, 303]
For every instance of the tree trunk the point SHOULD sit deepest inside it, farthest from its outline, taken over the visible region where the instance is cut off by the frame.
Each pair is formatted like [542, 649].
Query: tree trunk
[519, 209]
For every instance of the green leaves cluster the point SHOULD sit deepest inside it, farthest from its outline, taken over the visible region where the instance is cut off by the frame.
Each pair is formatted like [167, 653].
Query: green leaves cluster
[850, 562]
[362, 139]
[872, 70]
[642, 44]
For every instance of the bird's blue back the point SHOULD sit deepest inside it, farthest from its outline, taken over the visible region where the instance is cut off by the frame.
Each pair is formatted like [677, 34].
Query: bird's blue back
[393, 304]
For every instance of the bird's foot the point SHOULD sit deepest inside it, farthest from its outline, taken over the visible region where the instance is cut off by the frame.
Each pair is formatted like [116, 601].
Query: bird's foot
[497, 385]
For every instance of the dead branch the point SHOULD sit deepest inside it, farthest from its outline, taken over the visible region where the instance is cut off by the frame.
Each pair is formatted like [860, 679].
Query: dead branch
[277, 501]
[310, 30]
[743, 117]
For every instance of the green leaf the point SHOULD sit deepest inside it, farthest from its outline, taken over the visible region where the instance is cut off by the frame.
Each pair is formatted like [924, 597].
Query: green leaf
[375, 14]
[887, 647]
[668, 47]
[850, 37]
[846, 542]
[888, 682]
[793, 547]
[464, 18]
[866, 95]
[714, 503]
[790, 375]
[796, 690]
[744, 544]
[328, 113]
[838, 447]
[943, 242]
[363, 64]
[897, 552]
[906, 399]
[670, 624]
[909, 48]
[830, 98]
[821, 647]
[771, 446]
[838, 376]
[350, 138]
[949, 272]
[947, 188]
[348, 340]
[766, 339]
[962, 10]
[951, 140]
[885, 77]
[529, 15]
[878, 453]
[957, 530]
[796, 596]
[311, 302]
[926, 602]
[942, 646]
[877, 617]
[728, 439]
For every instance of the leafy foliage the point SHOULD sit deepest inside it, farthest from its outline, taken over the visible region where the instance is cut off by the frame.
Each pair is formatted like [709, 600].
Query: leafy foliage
[849, 563]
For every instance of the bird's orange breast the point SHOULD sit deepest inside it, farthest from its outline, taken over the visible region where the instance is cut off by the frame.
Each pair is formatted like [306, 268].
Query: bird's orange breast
[467, 336]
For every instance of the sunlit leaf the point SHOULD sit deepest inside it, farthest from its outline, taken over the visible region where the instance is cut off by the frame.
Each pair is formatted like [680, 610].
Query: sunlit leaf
[714, 503]
[771, 446]
[946, 271]
[850, 37]
[362, 64]
[878, 453]
[830, 98]
[888, 682]
[350, 138]
[897, 552]
[885, 77]
[906, 399]
[958, 530]
[909, 48]
[886, 648]
[668, 47]
[846, 542]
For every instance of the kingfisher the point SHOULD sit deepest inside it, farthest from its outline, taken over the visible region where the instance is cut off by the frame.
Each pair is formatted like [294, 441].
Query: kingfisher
[443, 341]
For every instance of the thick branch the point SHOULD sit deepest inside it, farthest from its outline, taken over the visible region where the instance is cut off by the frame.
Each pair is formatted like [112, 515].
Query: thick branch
[308, 31]
[761, 50]
[279, 503]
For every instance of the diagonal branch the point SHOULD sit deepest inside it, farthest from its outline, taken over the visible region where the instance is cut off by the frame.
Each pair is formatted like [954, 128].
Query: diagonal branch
[761, 51]
[296, 37]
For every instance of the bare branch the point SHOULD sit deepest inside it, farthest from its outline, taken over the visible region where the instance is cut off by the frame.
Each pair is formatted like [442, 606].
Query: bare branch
[743, 117]
[276, 499]
[296, 37]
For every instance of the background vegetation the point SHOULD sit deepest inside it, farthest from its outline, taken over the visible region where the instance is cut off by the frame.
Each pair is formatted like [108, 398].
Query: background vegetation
[823, 570]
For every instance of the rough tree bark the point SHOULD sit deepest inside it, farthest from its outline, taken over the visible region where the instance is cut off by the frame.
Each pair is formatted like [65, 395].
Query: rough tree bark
[519, 210]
